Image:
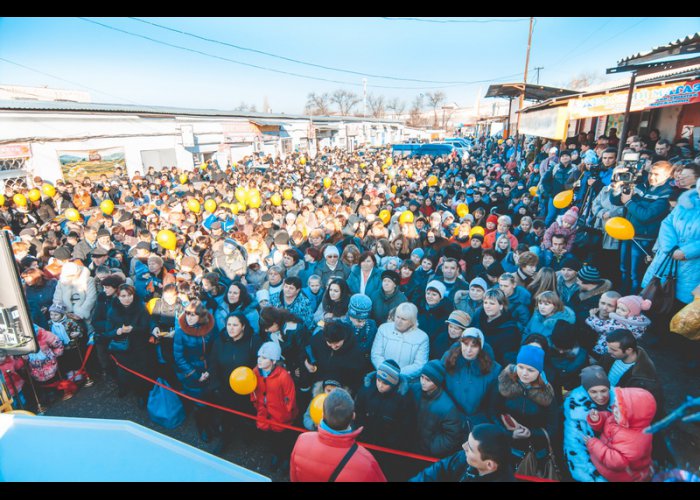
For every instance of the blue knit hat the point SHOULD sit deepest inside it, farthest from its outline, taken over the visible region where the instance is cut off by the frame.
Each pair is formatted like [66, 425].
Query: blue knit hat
[360, 306]
[389, 372]
[419, 252]
[533, 356]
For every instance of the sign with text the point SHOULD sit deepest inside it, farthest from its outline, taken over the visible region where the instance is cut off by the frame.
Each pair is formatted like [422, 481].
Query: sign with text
[15, 151]
[549, 123]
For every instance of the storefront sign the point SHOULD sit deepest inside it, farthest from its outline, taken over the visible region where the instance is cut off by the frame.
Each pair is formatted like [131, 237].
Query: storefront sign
[549, 123]
[15, 151]
[657, 96]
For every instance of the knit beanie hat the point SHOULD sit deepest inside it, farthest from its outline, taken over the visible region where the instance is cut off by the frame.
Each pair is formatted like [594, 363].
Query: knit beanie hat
[434, 371]
[635, 304]
[474, 333]
[495, 269]
[594, 375]
[330, 250]
[393, 276]
[531, 355]
[263, 294]
[589, 274]
[389, 372]
[571, 216]
[271, 351]
[571, 263]
[477, 236]
[480, 282]
[57, 307]
[438, 286]
[419, 252]
[458, 318]
[492, 218]
[360, 306]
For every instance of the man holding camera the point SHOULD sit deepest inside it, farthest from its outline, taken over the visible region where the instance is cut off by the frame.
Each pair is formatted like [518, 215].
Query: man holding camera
[646, 205]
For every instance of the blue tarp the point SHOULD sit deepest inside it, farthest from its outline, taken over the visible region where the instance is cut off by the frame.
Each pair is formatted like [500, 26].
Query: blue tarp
[84, 449]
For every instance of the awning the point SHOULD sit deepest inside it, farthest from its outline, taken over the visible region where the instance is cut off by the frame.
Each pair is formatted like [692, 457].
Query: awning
[532, 92]
[688, 45]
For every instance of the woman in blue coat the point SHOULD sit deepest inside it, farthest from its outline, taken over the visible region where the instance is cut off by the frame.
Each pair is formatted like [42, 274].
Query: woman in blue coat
[365, 273]
[471, 375]
[237, 299]
[194, 335]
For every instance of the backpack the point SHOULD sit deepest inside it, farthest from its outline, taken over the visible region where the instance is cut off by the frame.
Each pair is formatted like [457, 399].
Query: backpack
[165, 407]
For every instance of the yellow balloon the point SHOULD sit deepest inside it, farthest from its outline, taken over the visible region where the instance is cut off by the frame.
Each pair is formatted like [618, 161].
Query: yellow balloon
[409, 173]
[619, 228]
[243, 380]
[20, 200]
[563, 199]
[462, 210]
[287, 194]
[107, 207]
[276, 200]
[166, 239]
[455, 232]
[2, 200]
[194, 205]
[252, 194]
[432, 180]
[385, 216]
[241, 206]
[393, 189]
[316, 408]
[151, 304]
[254, 202]
[224, 205]
[241, 193]
[363, 165]
[48, 190]
[302, 160]
[533, 191]
[406, 217]
[72, 214]
[183, 178]
[389, 160]
[203, 166]
[210, 206]
[34, 194]
[476, 230]
[327, 182]
[233, 207]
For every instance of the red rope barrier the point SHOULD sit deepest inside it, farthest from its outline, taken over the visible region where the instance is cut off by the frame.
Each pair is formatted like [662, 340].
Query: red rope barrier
[299, 429]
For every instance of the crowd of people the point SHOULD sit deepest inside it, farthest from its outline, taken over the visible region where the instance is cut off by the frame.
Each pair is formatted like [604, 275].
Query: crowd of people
[447, 304]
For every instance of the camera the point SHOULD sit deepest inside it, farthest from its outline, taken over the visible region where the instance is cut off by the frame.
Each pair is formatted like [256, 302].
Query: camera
[629, 171]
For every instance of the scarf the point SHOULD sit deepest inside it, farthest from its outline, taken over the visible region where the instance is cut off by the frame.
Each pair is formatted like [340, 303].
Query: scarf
[59, 330]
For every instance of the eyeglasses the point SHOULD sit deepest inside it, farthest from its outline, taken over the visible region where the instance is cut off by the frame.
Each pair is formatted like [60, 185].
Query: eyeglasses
[332, 257]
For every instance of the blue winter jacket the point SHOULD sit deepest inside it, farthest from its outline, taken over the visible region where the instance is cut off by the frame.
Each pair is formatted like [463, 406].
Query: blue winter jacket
[519, 305]
[544, 326]
[224, 309]
[374, 283]
[192, 350]
[647, 209]
[681, 228]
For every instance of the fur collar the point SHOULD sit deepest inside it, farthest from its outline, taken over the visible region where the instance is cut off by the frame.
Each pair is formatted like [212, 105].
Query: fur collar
[599, 290]
[197, 331]
[510, 388]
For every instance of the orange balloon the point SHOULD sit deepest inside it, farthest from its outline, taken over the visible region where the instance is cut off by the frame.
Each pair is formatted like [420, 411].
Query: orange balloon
[619, 228]
[243, 380]
[563, 199]
[316, 408]
[533, 191]
[462, 210]
[432, 180]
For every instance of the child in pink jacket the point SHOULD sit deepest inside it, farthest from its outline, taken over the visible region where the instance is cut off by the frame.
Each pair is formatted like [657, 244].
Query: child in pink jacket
[564, 225]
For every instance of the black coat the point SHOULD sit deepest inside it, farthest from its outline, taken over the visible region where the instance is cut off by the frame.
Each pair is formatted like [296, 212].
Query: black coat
[226, 356]
[564, 372]
[138, 356]
[389, 418]
[453, 469]
[439, 423]
[346, 365]
[432, 321]
[502, 334]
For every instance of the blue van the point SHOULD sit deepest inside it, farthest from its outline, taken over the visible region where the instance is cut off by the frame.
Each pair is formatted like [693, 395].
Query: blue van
[435, 150]
[404, 149]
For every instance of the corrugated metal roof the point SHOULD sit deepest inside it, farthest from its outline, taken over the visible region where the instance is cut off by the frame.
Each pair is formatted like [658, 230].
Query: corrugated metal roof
[620, 83]
[661, 50]
[31, 105]
[532, 92]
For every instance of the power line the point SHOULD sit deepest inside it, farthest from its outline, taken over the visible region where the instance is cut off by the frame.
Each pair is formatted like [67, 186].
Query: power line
[264, 68]
[456, 21]
[284, 58]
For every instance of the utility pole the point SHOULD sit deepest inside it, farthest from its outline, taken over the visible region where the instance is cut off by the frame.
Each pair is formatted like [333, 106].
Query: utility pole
[364, 98]
[522, 93]
[538, 68]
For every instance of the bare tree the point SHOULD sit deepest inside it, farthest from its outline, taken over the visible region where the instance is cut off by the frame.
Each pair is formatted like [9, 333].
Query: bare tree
[376, 104]
[318, 104]
[582, 80]
[447, 116]
[415, 114]
[246, 108]
[345, 100]
[435, 99]
[396, 106]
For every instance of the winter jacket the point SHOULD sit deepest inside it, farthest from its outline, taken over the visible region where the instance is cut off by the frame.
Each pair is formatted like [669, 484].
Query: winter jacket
[82, 251]
[509, 264]
[232, 266]
[274, 399]
[10, 369]
[78, 295]
[409, 349]
[544, 326]
[38, 297]
[439, 423]
[555, 180]
[642, 374]
[136, 357]
[647, 209]
[43, 364]
[556, 227]
[519, 305]
[583, 301]
[622, 453]
[146, 284]
[455, 469]
[432, 320]
[565, 291]
[564, 370]
[224, 309]
[681, 228]
[388, 418]
[468, 305]
[374, 283]
[364, 337]
[316, 455]
[341, 271]
[300, 307]
[469, 388]
[502, 334]
[296, 270]
[491, 238]
[314, 299]
[421, 280]
[533, 407]
[603, 204]
[636, 324]
[382, 305]
[292, 339]
[576, 408]
[192, 350]
[346, 365]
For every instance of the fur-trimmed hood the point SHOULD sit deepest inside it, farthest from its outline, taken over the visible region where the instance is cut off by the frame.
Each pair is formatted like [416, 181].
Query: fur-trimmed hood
[197, 331]
[510, 387]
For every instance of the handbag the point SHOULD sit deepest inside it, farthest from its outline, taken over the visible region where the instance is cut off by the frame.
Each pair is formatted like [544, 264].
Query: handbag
[165, 407]
[657, 292]
[686, 322]
[528, 466]
[118, 345]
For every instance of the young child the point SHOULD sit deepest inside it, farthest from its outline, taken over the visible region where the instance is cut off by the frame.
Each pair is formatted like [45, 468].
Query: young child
[628, 315]
[622, 453]
[327, 386]
[274, 399]
[313, 291]
[564, 225]
[10, 367]
[72, 334]
[43, 364]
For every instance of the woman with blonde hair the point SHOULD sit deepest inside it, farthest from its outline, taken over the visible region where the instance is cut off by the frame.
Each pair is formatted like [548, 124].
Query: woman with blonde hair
[550, 309]
[545, 280]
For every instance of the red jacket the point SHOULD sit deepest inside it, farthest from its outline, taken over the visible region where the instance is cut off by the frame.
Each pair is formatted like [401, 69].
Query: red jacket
[10, 370]
[317, 454]
[490, 240]
[622, 453]
[274, 398]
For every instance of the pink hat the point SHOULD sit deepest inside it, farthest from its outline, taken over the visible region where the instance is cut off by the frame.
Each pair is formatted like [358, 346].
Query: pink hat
[571, 216]
[635, 304]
